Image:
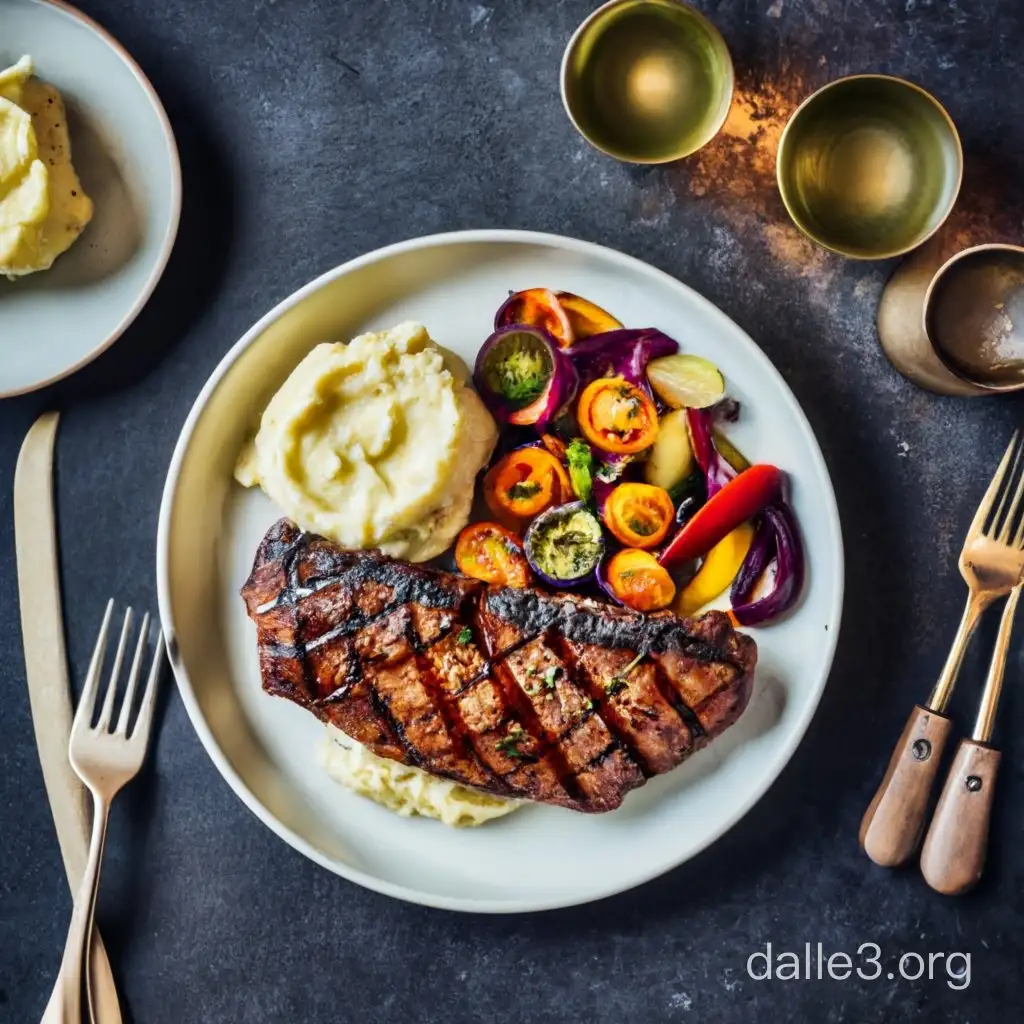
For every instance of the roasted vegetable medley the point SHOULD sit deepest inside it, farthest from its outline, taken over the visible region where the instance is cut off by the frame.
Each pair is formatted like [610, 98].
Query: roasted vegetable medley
[615, 470]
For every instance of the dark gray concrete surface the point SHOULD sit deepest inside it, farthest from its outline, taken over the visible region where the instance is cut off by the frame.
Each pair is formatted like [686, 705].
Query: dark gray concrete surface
[312, 131]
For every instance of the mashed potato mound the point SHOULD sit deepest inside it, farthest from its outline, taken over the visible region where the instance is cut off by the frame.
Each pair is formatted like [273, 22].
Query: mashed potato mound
[376, 443]
[406, 790]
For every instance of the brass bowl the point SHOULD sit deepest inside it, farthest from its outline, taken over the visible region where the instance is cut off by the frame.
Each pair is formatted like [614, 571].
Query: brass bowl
[974, 316]
[869, 166]
[647, 81]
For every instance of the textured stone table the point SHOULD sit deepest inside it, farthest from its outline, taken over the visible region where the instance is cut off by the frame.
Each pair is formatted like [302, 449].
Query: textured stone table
[312, 131]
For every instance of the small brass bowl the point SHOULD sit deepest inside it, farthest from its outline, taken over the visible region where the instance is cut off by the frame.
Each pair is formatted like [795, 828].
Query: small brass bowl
[647, 81]
[869, 166]
[974, 316]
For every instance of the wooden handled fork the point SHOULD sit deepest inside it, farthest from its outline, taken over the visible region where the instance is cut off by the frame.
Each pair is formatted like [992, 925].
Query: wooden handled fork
[991, 564]
[953, 855]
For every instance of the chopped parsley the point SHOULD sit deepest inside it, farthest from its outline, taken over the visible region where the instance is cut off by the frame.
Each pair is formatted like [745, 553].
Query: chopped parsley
[509, 745]
[521, 491]
[589, 705]
[551, 676]
[642, 527]
[465, 635]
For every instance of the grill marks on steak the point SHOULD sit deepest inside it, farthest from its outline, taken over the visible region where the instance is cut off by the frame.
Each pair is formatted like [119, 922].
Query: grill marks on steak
[517, 692]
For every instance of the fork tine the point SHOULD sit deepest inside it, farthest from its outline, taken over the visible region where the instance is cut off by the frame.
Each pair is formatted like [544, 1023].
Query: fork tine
[994, 488]
[87, 702]
[1011, 515]
[998, 527]
[115, 673]
[145, 719]
[1018, 538]
[133, 679]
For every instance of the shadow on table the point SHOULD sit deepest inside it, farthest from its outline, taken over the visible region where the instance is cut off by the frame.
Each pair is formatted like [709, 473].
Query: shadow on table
[193, 274]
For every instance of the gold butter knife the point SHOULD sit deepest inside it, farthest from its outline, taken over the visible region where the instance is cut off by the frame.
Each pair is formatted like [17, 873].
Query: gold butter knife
[42, 628]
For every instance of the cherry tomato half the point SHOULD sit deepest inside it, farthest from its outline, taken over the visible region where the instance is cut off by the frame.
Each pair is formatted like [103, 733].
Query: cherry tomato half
[617, 416]
[489, 552]
[638, 581]
[524, 483]
[639, 515]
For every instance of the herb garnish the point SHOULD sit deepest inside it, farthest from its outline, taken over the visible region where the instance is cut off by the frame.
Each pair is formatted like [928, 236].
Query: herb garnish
[616, 683]
[551, 676]
[509, 745]
[642, 527]
[465, 635]
[521, 491]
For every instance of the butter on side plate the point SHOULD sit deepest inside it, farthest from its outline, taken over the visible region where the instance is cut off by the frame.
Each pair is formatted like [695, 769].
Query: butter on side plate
[43, 207]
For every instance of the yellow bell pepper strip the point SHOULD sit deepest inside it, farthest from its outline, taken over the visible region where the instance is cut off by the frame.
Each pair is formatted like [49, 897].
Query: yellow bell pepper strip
[585, 317]
[717, 571]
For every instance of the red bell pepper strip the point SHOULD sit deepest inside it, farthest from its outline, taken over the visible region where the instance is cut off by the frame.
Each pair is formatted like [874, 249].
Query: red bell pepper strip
[739, 500]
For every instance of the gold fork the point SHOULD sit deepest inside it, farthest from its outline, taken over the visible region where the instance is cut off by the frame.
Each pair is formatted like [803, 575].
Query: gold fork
[105, 760]
[991, 564]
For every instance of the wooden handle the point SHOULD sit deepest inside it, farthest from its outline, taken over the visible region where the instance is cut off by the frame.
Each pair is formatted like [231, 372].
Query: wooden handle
[953, 856]
[894, 821]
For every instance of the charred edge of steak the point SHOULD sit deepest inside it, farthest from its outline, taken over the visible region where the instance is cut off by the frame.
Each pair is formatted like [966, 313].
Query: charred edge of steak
[310, 564]
[600, 625]
[532, 611]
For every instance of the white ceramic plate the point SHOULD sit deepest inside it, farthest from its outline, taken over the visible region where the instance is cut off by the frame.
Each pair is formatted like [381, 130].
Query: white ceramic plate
[539, 857]
[53, 323]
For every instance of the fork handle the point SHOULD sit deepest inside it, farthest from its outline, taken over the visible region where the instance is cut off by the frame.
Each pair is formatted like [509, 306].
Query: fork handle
[894, 820]
[953, 855]
[65, 1005]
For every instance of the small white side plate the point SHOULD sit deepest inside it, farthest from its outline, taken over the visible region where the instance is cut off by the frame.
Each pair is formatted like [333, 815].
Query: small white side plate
[54, 322]
[539, 857]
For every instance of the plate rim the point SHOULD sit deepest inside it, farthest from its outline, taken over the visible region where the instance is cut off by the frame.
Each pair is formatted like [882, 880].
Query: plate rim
[490, 905]
[149, 286]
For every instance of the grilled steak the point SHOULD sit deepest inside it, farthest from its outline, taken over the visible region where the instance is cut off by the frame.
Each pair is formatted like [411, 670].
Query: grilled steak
[522, 693]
